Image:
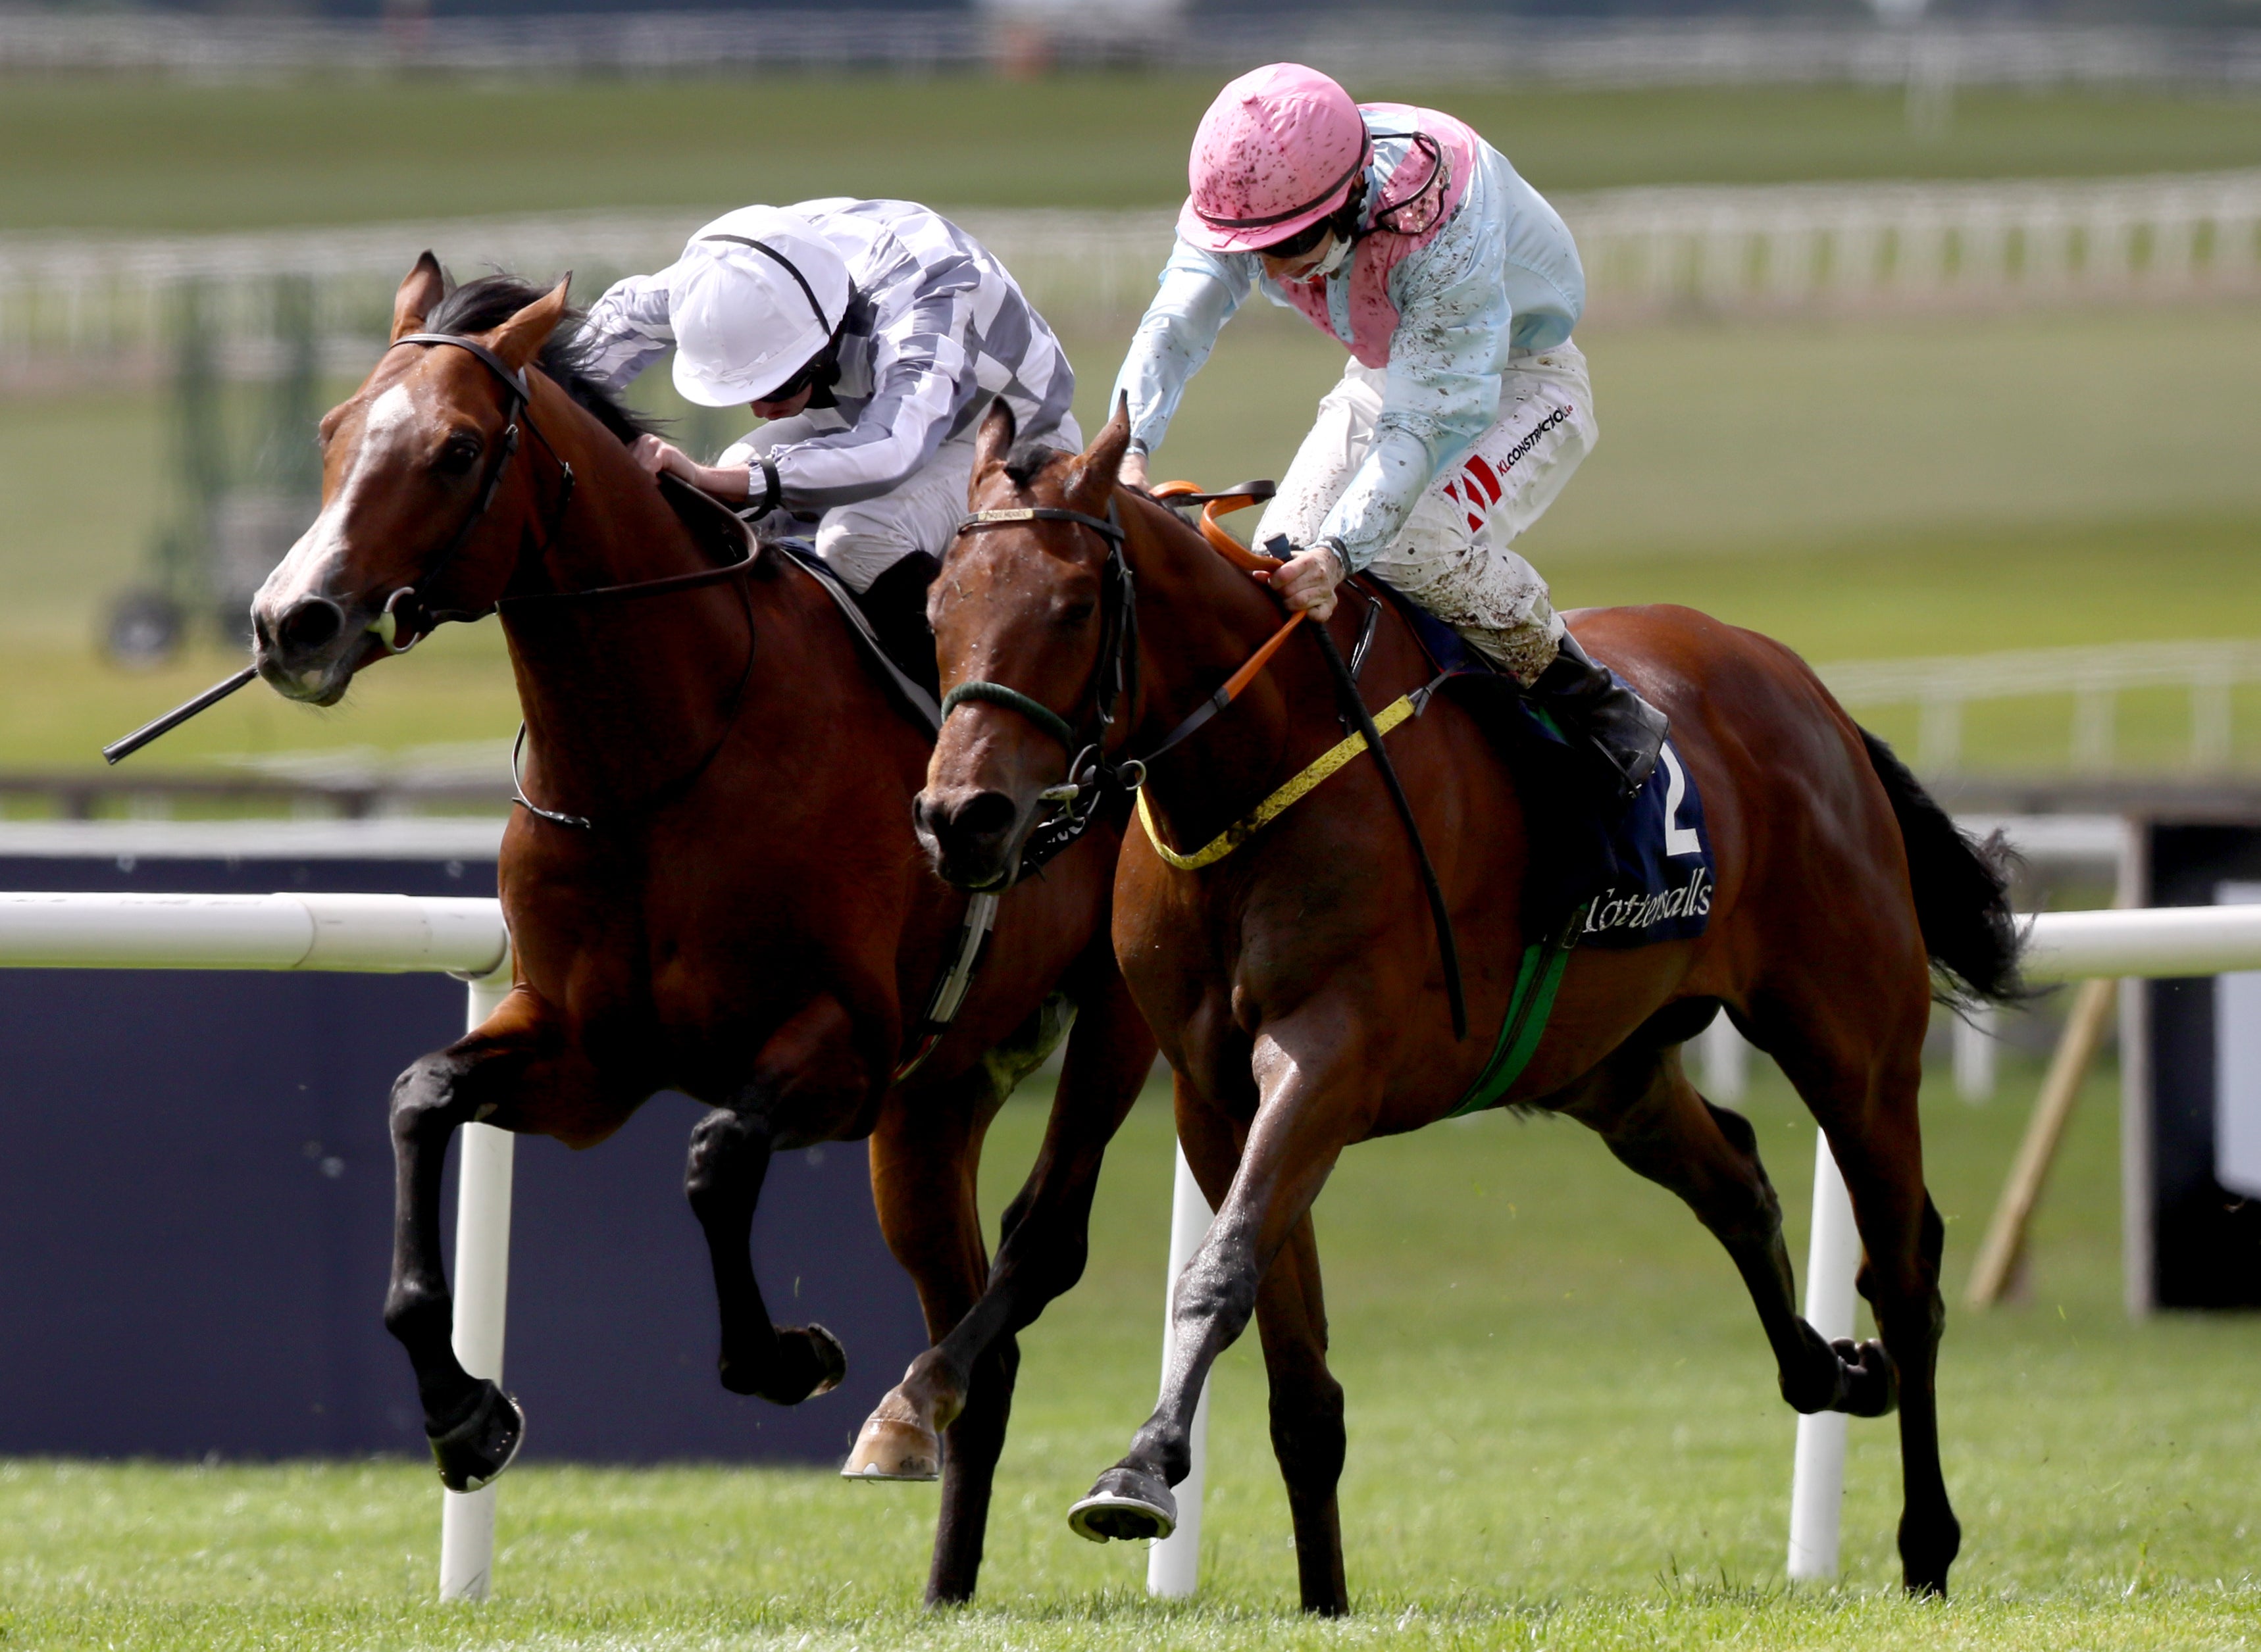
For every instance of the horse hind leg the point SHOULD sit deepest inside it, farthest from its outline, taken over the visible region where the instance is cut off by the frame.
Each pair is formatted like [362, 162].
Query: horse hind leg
[1868, 1108]
[1643, 1106]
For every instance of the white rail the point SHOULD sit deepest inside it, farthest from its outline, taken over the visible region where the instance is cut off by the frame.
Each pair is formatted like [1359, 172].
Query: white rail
[368, 932]
[1944, 688]
[1793, 246]
[2154, 942]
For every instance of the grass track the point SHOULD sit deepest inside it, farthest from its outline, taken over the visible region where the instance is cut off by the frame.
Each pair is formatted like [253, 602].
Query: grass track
[1563, 1434]
[123, 153]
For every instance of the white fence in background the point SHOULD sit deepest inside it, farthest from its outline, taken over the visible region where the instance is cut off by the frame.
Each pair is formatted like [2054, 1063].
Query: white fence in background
[1443, 47]
[1793, 247]
[387, 933]
[1945, 688]
[2163, 941]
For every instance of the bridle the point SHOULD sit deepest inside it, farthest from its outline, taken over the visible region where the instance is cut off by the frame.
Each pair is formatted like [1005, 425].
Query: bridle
[405, 611]
[1094, 776]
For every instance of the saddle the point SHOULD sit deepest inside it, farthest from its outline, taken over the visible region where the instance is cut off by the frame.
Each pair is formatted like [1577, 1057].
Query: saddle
[1640, 869]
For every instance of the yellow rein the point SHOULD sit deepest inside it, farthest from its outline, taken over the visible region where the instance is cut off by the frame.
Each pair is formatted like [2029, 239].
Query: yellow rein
[1278, 803]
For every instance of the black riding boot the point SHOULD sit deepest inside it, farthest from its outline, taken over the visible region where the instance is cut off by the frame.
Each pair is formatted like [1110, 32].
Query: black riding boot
[1599, 714]
[896, 606]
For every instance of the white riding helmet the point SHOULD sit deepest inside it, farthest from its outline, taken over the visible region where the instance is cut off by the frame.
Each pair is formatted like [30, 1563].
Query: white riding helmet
[755, 295]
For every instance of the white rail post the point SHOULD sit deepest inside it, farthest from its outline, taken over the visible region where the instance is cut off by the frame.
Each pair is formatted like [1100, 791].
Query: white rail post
[1174, 1563]
[1726, 1061]
[1976, 1032]
[1817, 1487]
[467, 1518]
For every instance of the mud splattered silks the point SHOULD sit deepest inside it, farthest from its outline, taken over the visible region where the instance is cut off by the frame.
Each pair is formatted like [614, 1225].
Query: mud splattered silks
[1438, 311]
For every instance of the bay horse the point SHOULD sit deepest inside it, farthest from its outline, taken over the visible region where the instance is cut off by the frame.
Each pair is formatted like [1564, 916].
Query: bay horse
[1296, 985]
[714, 887]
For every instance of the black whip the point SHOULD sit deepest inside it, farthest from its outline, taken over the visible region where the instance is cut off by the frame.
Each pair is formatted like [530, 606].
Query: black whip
[116, 751]
[1354, 706]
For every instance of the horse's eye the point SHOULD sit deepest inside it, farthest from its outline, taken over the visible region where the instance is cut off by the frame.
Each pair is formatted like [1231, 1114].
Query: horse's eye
[459, 456]
[1073, 615]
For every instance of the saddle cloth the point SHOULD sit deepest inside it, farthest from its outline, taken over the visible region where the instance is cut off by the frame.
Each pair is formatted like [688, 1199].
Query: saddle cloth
[1641, 870]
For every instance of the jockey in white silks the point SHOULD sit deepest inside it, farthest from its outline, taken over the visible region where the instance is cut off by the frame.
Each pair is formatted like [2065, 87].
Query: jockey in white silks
[871, 336]
[1464, 408]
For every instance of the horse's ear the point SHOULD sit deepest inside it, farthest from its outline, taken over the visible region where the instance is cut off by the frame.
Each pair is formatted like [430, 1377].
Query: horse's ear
[1091, 482]
[995, 439]
[520, 340]
[418, 296]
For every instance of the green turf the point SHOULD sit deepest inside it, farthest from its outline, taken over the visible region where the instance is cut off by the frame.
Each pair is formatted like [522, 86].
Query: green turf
[129, 153]
[1563, 1434]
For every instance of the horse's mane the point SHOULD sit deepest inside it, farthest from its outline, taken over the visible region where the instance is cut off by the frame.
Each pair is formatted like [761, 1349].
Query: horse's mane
[480, 306]
[1030, 459]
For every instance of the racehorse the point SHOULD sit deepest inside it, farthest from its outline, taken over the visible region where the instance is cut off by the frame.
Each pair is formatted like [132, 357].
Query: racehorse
[713, 887]
[1296, 984]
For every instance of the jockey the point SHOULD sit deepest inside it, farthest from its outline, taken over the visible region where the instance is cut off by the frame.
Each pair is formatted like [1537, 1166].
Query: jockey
[1464, 408]
[870, 335]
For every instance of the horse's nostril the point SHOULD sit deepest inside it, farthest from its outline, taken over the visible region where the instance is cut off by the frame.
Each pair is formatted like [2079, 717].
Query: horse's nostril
[310, 624]
[986, 814]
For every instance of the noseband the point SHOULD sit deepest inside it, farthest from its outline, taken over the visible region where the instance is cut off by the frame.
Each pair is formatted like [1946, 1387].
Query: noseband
[404, 612]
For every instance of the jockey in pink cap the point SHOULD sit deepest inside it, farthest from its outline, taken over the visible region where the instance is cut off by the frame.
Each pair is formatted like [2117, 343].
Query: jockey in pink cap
[1464, 407]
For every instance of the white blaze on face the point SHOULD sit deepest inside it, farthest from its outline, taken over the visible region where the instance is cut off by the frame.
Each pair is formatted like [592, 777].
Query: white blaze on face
[312, 563]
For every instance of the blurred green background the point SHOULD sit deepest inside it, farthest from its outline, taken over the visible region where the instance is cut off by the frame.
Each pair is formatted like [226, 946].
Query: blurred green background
[1943, 482]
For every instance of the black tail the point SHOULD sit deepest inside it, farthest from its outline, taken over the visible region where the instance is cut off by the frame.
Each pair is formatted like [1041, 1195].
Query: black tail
[1962, 891]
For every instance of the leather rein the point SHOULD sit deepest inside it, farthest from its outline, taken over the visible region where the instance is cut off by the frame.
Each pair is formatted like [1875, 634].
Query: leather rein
[404, 612]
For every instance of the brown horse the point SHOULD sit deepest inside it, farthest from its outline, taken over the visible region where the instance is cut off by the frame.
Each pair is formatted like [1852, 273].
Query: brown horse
[1296, 984]
[715, 889]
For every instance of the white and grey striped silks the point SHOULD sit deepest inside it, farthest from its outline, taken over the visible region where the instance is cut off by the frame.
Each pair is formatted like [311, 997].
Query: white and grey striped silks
[936, 327]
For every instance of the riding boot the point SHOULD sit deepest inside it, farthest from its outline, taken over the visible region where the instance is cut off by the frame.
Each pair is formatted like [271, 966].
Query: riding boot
[895, 606]
[1595, 712]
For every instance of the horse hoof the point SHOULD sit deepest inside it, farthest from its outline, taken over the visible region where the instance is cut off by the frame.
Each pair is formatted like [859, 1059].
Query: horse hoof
[1127, 1504]
[831, 1359]
[894, 1446]
[1869, 1382]
[478, 1449]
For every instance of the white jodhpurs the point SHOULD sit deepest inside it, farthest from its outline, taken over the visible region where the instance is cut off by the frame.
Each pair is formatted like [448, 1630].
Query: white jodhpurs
[863, 541]
[1452, 555]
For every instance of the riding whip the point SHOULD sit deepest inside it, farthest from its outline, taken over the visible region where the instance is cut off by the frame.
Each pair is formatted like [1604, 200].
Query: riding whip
[1354, 706]
[118, 751]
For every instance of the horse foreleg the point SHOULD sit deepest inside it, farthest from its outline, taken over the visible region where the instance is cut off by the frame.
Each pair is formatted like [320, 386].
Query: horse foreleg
[923, 1163]
[1043, 1235]
[722, 1179]
[1307, 1416]
[1641, 1104]
[474, 1428]
[1309, 1109]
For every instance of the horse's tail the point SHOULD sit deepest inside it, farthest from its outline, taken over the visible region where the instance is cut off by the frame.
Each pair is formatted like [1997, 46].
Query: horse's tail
[1961, 890]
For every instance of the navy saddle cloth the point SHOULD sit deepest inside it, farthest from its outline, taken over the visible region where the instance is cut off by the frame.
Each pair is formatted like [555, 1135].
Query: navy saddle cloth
[1642, 868]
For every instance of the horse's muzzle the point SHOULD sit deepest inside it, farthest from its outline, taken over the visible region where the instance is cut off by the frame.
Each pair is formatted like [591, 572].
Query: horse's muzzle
[306, 650]
[971, 838]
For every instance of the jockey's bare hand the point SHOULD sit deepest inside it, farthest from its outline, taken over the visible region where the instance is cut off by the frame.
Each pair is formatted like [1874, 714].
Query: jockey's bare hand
[733, 484]
[1133, 471]
[1306, 582]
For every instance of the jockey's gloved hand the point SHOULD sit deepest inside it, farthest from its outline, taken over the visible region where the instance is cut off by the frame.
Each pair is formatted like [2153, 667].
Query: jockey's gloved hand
[1305, 580]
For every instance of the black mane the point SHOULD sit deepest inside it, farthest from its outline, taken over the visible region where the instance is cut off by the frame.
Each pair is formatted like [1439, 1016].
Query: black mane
[1029, 461]
[480, 306]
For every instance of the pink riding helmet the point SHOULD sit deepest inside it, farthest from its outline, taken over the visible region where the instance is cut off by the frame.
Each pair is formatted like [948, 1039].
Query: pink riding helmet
[1276, 152]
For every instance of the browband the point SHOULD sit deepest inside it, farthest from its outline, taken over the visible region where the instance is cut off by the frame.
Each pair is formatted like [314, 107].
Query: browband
[493, 363]
[1098, 524]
